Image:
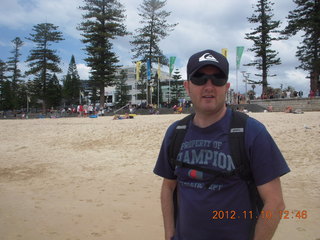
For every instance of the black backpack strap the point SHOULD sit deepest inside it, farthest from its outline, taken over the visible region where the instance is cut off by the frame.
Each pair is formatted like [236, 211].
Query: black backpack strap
[178, 137]
[174, 149]
[239, 154]
[237, 146]
[241, 160]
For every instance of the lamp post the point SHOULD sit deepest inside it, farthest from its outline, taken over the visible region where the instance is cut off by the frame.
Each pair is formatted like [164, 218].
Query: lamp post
[246, 78]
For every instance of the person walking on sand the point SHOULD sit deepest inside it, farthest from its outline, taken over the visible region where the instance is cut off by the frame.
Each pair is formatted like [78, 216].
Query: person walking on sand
[200, 196]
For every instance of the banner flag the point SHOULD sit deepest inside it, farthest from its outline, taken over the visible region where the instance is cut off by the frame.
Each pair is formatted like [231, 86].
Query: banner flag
[224, 52]
[148, 69]
[138, 66]
[172, 61]
[159, 69]
[239, 55]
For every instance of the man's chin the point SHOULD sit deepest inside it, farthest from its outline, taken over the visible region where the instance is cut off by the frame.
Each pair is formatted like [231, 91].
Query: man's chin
[210, 109]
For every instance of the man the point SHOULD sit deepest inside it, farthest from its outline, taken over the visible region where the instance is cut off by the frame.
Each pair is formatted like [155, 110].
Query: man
[219, 209]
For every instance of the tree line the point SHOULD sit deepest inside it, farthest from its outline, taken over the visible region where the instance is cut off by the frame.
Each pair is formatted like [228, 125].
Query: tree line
[103, 21]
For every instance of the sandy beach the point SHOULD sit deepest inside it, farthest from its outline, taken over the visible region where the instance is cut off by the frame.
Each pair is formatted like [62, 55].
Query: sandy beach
[91, 178]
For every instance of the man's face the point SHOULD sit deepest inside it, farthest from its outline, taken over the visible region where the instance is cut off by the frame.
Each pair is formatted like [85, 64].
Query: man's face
[207, 98]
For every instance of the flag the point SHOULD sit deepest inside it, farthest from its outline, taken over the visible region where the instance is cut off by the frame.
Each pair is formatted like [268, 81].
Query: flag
[239, 55]
[159, 70]
[224, 52]
[148, 69]
[172, 61]
[28, 99]
[138, 66]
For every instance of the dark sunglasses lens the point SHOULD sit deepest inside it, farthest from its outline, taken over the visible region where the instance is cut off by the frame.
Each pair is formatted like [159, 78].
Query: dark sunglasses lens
[201, 79]
[219, 81]
[198, 80]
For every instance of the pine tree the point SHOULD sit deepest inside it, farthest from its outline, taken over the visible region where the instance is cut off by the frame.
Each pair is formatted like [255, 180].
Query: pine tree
[157, 90]
[72, 84]
[262, 37]
[155, 28]
[3, 69]
[141, 84]
[103, 21]
[122, 90]
[176, 87]
[5, 88]
[43, 60]
[54, 92]
[15, 76]
[306, 18]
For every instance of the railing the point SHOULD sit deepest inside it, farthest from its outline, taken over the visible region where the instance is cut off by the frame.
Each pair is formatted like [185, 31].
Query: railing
[120, 108]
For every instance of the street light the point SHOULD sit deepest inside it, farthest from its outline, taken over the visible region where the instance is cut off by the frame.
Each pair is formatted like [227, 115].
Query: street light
[246, 78]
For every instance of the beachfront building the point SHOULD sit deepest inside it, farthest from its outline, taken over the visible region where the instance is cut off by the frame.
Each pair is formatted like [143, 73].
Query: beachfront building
[168, 92]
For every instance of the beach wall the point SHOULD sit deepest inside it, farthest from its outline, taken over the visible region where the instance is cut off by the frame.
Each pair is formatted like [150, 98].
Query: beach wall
[279, 105]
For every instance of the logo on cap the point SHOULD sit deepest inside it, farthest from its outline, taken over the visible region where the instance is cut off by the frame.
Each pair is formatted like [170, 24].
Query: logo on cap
[207, 57]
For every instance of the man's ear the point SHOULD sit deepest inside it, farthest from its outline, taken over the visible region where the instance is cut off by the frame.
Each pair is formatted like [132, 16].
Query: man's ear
[186, 85]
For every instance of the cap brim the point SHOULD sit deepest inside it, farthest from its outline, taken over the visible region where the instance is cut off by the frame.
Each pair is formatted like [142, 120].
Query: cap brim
[207, 64]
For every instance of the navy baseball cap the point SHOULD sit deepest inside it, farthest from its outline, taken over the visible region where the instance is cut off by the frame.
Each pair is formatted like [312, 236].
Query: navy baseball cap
[207, 58]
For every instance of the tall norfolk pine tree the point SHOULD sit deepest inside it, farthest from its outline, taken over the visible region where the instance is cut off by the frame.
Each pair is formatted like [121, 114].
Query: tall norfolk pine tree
[154, 28]
[262, 37]
[72, 84]
[103, 21]
[5, 92]
[14, 60]
[122, 89]
[42, 60]
[15, 72]
[306, 18]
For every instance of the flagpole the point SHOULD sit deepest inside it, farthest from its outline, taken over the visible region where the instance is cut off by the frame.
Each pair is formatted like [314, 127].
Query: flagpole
[171, 66]
[27, 107]
[238, 59]
[159, 73]
[169, 90]
[148, 79]
[237, 80]
[158, 92]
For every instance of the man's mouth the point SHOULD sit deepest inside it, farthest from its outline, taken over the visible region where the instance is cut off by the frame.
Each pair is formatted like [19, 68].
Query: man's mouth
[208, 96]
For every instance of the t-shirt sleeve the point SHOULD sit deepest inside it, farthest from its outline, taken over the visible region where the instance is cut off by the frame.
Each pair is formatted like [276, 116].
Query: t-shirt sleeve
[164, 167]
[266, 160]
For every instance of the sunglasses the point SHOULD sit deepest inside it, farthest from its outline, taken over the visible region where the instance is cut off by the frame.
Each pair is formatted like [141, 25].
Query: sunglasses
[201, 79]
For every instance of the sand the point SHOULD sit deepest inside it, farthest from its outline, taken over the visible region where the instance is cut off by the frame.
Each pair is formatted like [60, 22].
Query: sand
[85, 178]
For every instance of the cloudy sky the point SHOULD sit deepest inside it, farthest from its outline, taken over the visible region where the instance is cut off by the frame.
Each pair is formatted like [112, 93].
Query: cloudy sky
[203, 24]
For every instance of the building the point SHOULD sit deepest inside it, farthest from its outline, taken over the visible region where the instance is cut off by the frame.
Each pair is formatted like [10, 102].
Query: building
[134, 93]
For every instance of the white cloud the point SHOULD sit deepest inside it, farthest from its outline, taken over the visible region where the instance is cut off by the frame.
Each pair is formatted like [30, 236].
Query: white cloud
[297, 78]
[17, 14]
[83, 71]
[4, 44]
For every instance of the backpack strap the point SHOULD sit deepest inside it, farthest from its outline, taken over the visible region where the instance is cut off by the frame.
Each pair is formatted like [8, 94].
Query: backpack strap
[174, 149]
[240, 156]
[236, 144]
[178, 137]
[242, 162]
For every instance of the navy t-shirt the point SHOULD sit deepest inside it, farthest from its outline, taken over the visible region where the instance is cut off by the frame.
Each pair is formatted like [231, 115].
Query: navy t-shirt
[218, 209]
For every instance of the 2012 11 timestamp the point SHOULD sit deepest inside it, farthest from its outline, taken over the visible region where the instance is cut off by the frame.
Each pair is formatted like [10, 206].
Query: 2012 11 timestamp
[233, 215]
